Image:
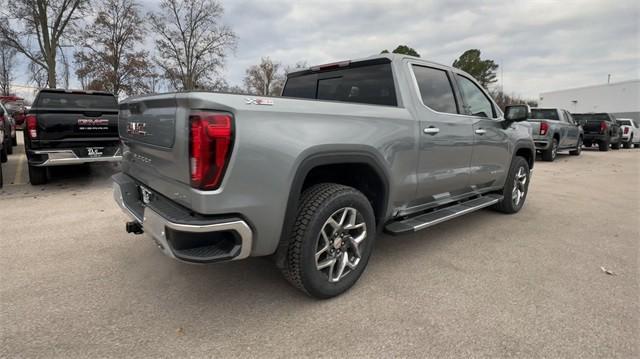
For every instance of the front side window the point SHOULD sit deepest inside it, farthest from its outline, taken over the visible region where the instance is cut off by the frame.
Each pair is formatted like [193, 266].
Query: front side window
[435, 89]
[476, 102]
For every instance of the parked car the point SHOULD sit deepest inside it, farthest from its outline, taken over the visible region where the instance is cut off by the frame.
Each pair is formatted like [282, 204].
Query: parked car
[600, 128]
[10, 140]
[555, 130]
[630, 132]
[3, 151]
[65, 127]
[390, 142]
[15, 106]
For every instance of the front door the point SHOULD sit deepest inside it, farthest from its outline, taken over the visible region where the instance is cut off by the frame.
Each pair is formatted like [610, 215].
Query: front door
[490, 160]
[446, 137]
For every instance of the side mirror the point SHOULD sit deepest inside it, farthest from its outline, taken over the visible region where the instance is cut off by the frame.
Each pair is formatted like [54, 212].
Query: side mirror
[516, 113]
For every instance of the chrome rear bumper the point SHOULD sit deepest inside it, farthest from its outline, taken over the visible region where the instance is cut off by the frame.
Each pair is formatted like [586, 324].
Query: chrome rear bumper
[68, 157]
[158, 227]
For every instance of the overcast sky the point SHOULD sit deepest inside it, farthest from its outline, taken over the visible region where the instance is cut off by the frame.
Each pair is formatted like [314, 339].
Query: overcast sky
[540, 46]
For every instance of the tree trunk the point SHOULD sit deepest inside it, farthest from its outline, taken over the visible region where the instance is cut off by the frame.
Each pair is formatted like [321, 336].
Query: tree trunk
[51, 77]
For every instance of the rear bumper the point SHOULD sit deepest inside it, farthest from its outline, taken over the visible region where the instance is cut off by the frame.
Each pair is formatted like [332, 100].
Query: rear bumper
[178, 233]
[46, 158]
[593, 137]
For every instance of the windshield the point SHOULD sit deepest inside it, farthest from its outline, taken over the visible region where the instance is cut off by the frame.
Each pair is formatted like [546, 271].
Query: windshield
[542, 114]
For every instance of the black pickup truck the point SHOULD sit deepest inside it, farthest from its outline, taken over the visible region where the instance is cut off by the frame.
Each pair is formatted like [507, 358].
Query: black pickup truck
[600, 128]
[66, 127]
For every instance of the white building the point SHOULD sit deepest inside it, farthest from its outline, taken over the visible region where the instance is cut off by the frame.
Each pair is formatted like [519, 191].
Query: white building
[621, 99]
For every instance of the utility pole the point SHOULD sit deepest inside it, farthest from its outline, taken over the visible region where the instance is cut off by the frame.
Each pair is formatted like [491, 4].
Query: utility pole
[608, 79]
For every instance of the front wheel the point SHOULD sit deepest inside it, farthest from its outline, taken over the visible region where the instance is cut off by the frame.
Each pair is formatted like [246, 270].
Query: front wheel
[578, 149]
[331, 240]
[603, 145]
[516, 187]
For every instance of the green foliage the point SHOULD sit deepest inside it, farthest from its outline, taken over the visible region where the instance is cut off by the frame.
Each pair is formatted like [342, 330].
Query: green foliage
[482, 70]
[403, 49]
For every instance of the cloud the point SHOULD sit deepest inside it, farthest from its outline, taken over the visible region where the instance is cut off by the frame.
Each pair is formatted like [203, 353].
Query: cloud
[541, 45]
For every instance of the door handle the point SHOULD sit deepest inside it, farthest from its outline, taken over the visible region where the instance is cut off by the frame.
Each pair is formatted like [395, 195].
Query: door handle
[481, 131]
[431, 130]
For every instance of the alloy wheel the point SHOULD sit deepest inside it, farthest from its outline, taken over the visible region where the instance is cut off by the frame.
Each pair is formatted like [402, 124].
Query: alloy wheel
[338, 245]
[519, 186]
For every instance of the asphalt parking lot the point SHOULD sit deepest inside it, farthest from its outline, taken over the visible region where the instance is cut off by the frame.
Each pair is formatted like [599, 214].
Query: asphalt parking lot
[74, 284]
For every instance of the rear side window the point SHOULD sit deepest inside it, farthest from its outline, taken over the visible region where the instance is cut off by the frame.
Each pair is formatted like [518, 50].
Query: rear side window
[542, 114]
[76, 100]
[435, 89]
[476, 102]
[370, 84]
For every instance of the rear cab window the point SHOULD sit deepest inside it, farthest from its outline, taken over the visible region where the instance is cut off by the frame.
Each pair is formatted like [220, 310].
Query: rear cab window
[63, 100]
[367, 82]
[544, 114]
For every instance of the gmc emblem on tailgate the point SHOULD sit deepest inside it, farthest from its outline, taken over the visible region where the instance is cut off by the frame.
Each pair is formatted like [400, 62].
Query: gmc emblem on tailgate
[92, 122]
[136, 128]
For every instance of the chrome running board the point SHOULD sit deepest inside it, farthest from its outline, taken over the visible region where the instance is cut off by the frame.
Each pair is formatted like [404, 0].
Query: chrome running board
[432, 218]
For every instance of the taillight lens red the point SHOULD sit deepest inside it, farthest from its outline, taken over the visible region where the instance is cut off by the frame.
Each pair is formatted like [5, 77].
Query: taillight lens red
[626, 130]
[544, 128]
[603, 127]
[32, 126]
[211, 137]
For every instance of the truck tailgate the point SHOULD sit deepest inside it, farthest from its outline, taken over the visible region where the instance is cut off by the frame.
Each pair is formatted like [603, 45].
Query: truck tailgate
[55, 124]
[148, 129]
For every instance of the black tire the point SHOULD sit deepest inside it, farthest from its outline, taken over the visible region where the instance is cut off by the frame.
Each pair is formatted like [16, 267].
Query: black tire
[507, 204]
[616, 146]
[8, 144]
[578, 149]
[550, 154]
[317, 204]
[629, 144]
[14, 141]
[603, 146]
[37, 175]
[587, 144]
[3, 155]
[1, 176]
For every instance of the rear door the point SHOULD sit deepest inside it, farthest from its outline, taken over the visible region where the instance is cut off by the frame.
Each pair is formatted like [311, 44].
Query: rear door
[491, 155]
[76, 116]
[446, 137]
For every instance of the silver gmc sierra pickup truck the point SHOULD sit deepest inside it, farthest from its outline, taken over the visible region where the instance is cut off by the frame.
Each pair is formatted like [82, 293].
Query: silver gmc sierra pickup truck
[388, 143]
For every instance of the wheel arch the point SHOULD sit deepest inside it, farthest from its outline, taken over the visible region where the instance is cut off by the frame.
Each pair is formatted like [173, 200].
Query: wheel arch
[527, 151]
[332, 155]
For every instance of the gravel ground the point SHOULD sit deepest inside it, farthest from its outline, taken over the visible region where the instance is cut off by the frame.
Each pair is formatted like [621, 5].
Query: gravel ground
[74, 284]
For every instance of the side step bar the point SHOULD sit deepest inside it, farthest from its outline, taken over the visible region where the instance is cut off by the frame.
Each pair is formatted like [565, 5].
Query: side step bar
[429, 219]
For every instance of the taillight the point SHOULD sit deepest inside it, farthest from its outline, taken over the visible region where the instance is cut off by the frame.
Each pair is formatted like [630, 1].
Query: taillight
[603, 127]
[32, 126]
[544, 128]
[626, 130]
[211, 136]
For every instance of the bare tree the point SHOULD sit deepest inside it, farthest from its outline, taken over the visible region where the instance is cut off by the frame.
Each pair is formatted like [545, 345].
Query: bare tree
[265, 78]
[7, 60]
[109, 55]
[43, 22]
[191, 43]
[37, 75]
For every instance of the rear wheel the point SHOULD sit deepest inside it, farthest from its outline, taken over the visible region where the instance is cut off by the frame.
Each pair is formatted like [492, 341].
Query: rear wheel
[551, 153]
[616, 146]
[603, 145]
[8, 144]
[629, 144]
[1, 176]
[331, 240]
[37, 175]
[14, 141]
[3, 155]
[516, 187]
[578, 149]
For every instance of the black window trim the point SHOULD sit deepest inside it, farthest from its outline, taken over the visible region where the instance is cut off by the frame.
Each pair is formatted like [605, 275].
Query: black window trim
[494, 108]
[456, 99]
